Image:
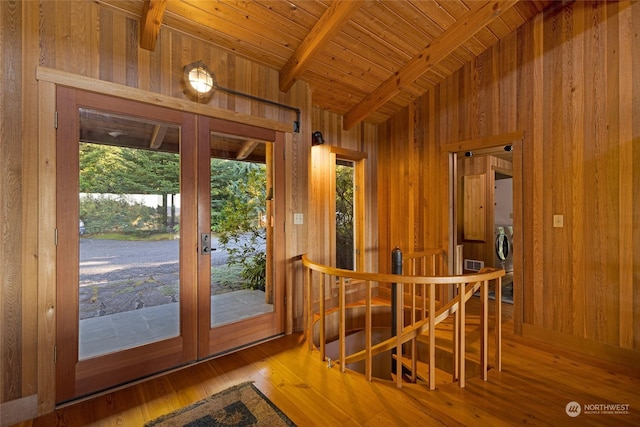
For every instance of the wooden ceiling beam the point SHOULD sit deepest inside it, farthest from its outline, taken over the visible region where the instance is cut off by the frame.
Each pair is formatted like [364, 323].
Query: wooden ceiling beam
[329, 24]
[159, 132]
[150, 22]
[453, 37]
[246, 149]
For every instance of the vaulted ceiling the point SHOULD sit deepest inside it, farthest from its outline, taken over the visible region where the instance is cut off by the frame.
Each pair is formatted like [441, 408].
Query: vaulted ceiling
[365, 60]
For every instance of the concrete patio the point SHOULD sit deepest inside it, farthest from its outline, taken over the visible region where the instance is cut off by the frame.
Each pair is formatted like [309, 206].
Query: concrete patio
[119, 331]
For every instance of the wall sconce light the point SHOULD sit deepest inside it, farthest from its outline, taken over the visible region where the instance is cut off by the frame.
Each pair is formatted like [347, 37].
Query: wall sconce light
[200, 82]
[508, 148]
[468, 154]
[316, 138]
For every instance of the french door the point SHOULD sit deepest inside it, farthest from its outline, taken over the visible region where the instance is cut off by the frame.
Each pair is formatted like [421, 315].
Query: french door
[159, 262]
[245, 229]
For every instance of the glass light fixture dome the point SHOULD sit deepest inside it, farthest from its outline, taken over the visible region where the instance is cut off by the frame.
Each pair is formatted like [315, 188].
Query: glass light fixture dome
[199, 80]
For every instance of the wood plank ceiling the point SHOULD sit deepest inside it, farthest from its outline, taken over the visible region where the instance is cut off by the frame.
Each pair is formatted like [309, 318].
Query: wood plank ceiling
[364, 60]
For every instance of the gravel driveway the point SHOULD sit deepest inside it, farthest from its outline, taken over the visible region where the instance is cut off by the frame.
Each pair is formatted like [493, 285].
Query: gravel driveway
[117, 276]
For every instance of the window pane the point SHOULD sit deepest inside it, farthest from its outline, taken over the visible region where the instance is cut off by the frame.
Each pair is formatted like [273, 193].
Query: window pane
[345, 246]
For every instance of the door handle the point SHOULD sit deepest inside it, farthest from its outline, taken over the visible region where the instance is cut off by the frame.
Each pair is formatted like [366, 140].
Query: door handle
[205, 244]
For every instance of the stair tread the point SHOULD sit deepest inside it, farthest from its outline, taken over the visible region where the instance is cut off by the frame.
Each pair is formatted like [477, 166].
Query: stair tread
[423, 371]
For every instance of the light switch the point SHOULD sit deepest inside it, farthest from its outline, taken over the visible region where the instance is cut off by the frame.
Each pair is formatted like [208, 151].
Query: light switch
[558, 221]
[298, 219]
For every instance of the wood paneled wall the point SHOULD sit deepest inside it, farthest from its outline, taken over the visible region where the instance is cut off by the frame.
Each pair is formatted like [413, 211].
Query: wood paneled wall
[90, 40]
[570, 80]
[413, 198]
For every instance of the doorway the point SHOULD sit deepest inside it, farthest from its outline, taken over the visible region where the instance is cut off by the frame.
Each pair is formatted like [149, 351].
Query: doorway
[484, 208]
[137, 204]
[494, 158]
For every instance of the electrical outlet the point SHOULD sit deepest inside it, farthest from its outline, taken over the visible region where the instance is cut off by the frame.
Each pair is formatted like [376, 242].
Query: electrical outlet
[298, 219]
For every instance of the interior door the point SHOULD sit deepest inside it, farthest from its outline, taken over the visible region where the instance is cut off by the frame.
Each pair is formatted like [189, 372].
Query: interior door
[126, 233]
[241, 277]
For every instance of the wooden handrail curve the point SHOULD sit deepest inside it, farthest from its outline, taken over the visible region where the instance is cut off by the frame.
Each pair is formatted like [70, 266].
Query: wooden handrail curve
[416, 296]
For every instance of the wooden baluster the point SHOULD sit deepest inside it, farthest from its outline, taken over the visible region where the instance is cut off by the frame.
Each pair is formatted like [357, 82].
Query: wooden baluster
[322, 317]
[432, 336]
[414, 341]
[498, 325]
[461, 334]
[458, 270]
[456, 340]
[342, 338]
[399, 328]
[433, 270]
[484, 328]
[309, 294]
[368, 331]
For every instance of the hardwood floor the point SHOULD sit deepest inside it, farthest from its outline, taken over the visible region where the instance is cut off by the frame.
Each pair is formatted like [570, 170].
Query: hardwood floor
[535, 386]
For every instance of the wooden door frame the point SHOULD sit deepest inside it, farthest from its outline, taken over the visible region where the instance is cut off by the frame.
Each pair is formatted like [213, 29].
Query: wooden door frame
[227, 337]
[516, 140]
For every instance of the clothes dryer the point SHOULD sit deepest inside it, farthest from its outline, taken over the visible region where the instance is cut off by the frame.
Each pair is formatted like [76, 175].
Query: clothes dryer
[503, 255]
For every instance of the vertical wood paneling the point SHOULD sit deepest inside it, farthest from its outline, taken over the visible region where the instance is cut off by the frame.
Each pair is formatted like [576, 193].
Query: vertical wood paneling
[106, 42]
[11, 204]
[595, 152]
[524, 94]
[537, 174]
[612, 171]
[549, 63]
[383, 168]
[131, 49]
[30, 223]
[410, 181]
[625, 157]
[635, 143]
[297, 163]
[577, 225]
[116, 35]
[570, 81]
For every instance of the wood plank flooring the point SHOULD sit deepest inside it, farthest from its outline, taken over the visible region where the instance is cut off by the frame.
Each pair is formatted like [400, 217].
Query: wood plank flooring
[535, 386]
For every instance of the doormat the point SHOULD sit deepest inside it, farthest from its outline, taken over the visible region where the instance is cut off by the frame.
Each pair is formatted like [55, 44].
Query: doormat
[238, 406]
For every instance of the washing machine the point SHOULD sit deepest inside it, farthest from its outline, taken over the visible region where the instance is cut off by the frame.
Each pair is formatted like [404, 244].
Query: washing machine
[503, 255]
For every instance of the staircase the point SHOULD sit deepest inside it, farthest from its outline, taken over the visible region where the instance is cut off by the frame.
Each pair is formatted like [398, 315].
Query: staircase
[339, 302]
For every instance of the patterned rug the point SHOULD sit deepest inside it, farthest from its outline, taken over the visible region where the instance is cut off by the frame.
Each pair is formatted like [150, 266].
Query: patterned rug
[238, 406]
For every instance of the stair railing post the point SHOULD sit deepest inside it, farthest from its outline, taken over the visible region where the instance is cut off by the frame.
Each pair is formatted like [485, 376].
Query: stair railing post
[396, 268]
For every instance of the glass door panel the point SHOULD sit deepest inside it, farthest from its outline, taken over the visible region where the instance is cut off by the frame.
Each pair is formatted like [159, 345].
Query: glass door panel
[239, 236]
[129, 210]
[122, 231]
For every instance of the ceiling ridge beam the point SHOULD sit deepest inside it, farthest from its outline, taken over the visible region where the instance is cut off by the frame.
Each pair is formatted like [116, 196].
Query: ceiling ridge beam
[452, 38]
[329, 24]
[151, 20]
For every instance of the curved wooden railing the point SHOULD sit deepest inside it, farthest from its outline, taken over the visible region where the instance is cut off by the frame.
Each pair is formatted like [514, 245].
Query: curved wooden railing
[423, 301]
